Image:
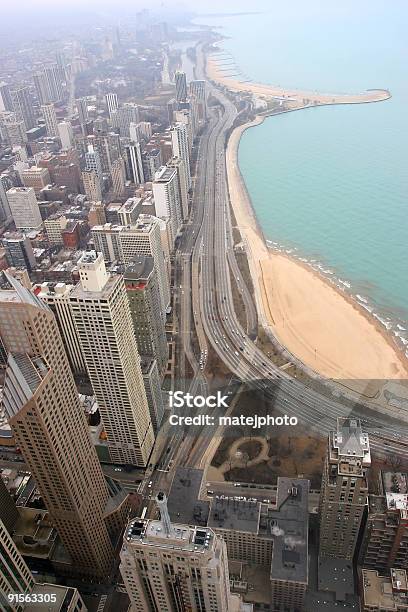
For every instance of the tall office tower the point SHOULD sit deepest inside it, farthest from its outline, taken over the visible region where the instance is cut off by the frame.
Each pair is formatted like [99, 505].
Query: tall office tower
[146, 309]
[106, 239]
[24, 208]
[8, 510]
[50, 118]
[82, 108]
[384, 593]
[35, 177]
[118, 173]
[15, 577]
[100, 145]
[152, 385]
[144, 238]
[54, 83]
[104, 325]
[66, 134]
[198, 90]
[180, 81]
[56, 296]
[172, 106]
[175, 567]
[97, 214]
[93, 160]
[6, 103]
[167, 198]
[385, 540]
[41, 401]
[124, 116]
[111, 102]
[129, 212]
[15, 132]
[181, 148]
[23, 107]
[135, 163]
[185, 117]
[344, 489]
[19, 251]
[42, 88]
[134, 132]
[92, 185]
[151, 161]
[179, 165]
[5, 212]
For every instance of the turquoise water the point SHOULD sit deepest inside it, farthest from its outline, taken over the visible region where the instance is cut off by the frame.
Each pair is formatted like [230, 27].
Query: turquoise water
[332, 182]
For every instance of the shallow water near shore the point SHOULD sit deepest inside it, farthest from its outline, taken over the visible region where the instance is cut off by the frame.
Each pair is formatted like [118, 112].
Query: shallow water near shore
[330, 184]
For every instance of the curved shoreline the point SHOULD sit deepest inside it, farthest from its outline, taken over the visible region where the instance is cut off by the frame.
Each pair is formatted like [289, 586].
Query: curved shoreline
[262, 260]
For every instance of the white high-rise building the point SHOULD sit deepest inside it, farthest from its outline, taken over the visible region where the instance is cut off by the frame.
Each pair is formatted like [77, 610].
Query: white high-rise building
[118, 174]
[105, 329]
[181, 146]
[92, 185]
[50, 118]
[111, 102]
[172, 567]
[24, 208]
[167, 198]
[135, 163]
[66, 134]
[180, 166]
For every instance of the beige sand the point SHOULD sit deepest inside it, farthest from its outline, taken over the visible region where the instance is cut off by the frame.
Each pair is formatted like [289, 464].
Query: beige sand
[315, 321]
[300, 96]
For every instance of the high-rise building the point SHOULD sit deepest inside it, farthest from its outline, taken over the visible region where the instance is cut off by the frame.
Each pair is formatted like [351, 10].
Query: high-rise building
[97, 214]
[344, 489]
[123, 243]
[181, 148]
[144, 238]
[146, 309]
[152, 385]
[54, 84]
[180, 81]
[175, 567]
[104, 325]
[41, 401]
[82, 108]
[167, 198]
[6, 103]
[15, 577]
[50, 118]
[180, 167]
[124, 116]
[8, 510]
[198, 91]
[5, 212]
[23, 107]
[56, 296]
[152, 161]
[66, 134]
[92, 185]
[35, 177]
[15, 133]
[172, 106]
[118, 173]
[24, 208]
[385, 540]
[42, 88]
[111, 102]
[384, 593]
[135, 163]
[19, 251]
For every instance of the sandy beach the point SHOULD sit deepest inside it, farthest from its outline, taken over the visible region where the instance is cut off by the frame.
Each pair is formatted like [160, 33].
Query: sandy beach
[315, 321]
[299, 97]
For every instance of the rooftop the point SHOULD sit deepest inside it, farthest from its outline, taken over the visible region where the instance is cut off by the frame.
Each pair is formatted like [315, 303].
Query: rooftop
[385, 592]
[183, 503]
[231, 513]
[349, 440]
[139, 269]
[182, 537]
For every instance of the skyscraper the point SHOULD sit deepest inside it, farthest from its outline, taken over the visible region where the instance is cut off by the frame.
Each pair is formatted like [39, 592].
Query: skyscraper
[82, 108]
[54, 84]
[198, 91]
[145, 306]
[92, 185]
[179, 165]
[15, 577]
[5, 185]
[66, 134]
[118, 174]
[180, 81]
[135, 163]
[124, 116]
[167, 198]
[104, 325]
[23, 107]
[24, 208]
[175, 567]
[41, 86]
[19, 251]
[111, 102]
[6, 103]
[180, 146]
[41, 401]
[343, 496]
[50, 118]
